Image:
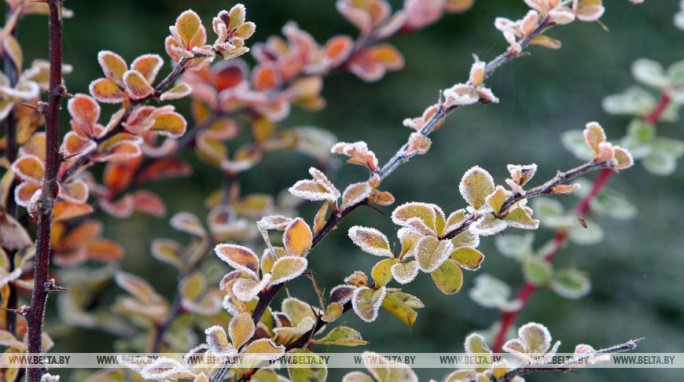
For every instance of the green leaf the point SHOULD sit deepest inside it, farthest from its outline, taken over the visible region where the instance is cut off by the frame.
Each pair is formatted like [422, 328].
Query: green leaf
[641, 131]
[357, 376]
[574, 142]
[650, 73]
[315, 370]
[592, 234]
[287, 268]
[297, 310]
[515, 246]
[537, 271]
[431, 252]
[332, 312]
[366, 302]
[634, 101]
[570, 283]
[521, 217]
[448, 277]
[475, 186]
[422, 214]
[467, 258]
[408, 299]
[613, 204]
[476, 345]
[241, 329]
[491, 292]
[496, 199]
[342, 336]
[382, 272]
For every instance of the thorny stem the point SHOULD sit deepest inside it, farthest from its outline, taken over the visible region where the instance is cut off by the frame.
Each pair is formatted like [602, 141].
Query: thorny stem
[569, 366]
[560, 239]
[10, 124]
[401, 156]
[41, 285]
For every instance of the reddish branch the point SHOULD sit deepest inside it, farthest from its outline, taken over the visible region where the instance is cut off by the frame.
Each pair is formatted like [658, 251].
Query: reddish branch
[41, 285]
[560, 239]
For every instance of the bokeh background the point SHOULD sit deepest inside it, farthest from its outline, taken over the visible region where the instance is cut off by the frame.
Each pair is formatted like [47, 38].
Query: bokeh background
[636, 270]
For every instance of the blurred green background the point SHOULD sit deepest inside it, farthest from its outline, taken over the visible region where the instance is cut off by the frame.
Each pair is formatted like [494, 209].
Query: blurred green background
[636, 270]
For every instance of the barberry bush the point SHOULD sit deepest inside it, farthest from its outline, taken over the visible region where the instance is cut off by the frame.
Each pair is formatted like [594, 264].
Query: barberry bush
[273, 178]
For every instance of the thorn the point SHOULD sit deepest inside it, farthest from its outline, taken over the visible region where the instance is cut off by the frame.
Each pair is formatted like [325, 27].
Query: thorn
[42, 107]
[23, 311]
[51, 286]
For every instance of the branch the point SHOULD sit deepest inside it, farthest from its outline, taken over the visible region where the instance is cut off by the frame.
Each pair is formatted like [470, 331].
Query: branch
[41, 285]
[528, 289]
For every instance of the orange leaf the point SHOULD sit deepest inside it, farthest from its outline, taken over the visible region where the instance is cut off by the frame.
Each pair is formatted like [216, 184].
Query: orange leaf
[145, 201]
[188, 25]
[104, 250]
[118, 175]
[169, 124]
[29, 168]
[148, 65]
[112, 65]
[136, 85]
[164, 168]
[298, 237]
[106, 91]
[84, 107]
[75, 192]
[338, 48]
[24, 192]
[74, 145]
[68, 210]
[265, 77]
[121, 209]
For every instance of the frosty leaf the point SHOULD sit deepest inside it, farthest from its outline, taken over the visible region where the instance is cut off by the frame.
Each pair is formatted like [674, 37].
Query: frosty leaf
[358, 152]
[170, 124]
[188, 26]
[370, 240]
[491, 292]
[535, 337]
[423, 212]
[537, 271]
[635, 101]
[355, 193]
[342, 336]
[311, 190]
[589, 10]
[247, 289]
[514, 246]
[399, 309]
[475, 186]
[106, 90]
[8, 339]
[467, 258]
[187, 222]
[650, 73]
[475, 344]
[218, 340]
[521, 217]
[591, 234]
[623, 157]
[167, 251]
[448, 277]
[148, 66]
[366, 302]
[177, 92]
[314, 371]
[594, 136]
[166, 368]
[357, 278]
[298, 237]
[382, 273]
[136, 85]
[496, 199]
[404, 273]
[332, 312]
[29, 168]
[382, 198]
[239, 257]
[112, 65]
[74, 145]
[573, 140]
[431, 253]
[75, 191]
[287, 268]
[487, 225]
[341, 294]
[265, 349]
[241, 329]
[570, 283]
[66, 210]
[136, 286]
[320, 218]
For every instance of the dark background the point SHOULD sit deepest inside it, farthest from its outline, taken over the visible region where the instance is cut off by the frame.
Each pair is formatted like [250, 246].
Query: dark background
[636, 270]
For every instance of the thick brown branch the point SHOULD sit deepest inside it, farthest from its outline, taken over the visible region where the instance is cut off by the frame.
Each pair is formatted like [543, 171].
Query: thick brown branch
[41, 283]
